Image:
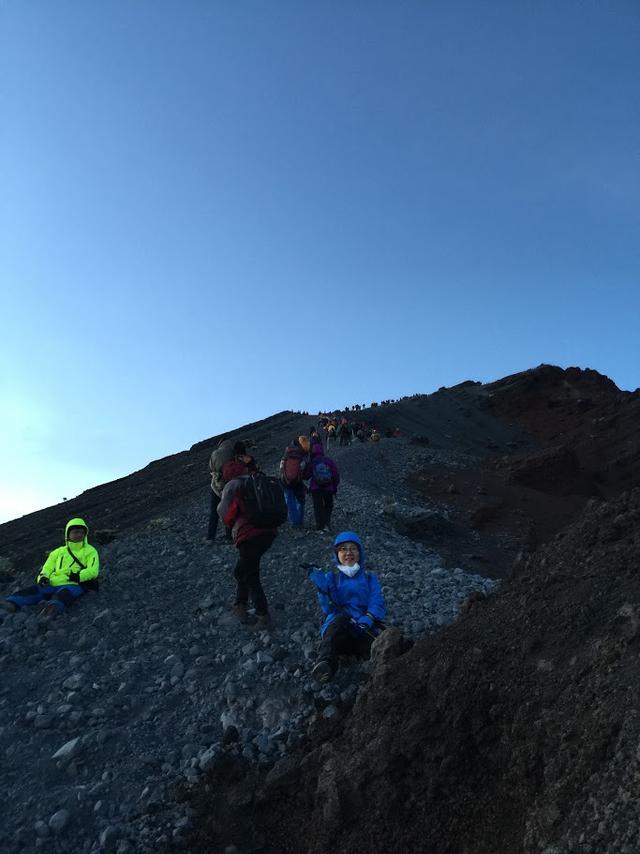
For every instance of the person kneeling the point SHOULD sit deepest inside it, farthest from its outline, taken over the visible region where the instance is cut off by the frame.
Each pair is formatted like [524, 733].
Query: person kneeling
[353, 603]
[63, 575]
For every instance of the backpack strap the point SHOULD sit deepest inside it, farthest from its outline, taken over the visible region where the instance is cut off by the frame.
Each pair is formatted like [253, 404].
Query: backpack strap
[75, 559]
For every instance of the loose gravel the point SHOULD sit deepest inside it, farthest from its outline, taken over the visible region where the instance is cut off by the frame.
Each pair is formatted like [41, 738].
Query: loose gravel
[104, 710]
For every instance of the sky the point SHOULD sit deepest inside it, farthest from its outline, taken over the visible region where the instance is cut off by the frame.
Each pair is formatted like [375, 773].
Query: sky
[213, 211]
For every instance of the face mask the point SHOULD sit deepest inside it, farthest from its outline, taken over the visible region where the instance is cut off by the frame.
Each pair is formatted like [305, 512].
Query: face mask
[350, 571]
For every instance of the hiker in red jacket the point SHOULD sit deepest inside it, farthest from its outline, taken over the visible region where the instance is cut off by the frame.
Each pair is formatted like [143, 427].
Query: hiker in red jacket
[324, 478]
[252, 542]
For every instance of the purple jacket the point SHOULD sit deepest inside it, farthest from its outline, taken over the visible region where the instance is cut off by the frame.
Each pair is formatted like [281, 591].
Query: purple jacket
[317, 454]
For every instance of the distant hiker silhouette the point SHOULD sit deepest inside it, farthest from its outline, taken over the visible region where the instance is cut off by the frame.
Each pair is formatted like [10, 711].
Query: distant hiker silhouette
[67, 573]
[353, 604]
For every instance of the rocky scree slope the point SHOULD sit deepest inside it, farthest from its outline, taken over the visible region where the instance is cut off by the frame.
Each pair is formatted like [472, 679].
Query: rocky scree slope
[140, 688]
[583, 441]
[516, 729]
[155, 671]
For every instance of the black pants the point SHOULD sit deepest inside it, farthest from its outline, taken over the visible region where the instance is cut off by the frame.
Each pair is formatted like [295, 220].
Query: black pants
[247, 572]
[213, 518]
[342, 638]
[322, 507]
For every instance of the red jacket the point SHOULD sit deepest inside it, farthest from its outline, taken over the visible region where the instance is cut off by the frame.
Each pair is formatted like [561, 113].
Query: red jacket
[232, 512]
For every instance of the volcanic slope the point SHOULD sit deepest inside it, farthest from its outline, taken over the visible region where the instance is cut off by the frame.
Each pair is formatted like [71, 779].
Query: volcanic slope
[105, 710]
[514, 730]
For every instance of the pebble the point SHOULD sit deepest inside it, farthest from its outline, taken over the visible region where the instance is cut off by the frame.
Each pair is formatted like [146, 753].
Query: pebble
[42, 829]
[68, 750]
[109, 837]
[59, 820]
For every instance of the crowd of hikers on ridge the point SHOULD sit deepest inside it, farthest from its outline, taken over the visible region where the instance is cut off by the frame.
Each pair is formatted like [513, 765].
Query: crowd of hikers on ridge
[250, 506]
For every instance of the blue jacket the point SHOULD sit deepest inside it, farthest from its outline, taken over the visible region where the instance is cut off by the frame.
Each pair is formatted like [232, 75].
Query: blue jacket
[359, 597]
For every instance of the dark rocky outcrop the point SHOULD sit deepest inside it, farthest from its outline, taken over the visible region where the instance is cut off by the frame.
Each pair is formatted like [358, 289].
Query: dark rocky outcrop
[514, 730]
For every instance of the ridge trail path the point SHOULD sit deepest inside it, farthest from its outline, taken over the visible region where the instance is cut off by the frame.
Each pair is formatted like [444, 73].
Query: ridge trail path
[104, 710]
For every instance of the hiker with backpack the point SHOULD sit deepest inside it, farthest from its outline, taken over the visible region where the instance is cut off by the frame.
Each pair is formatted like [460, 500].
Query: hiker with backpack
[242, 463]
[292, 469]
[352, 602]
[314, 437]
[222, 455]
[67, 573]
[331, 432]
[324, 479]
[252, 506]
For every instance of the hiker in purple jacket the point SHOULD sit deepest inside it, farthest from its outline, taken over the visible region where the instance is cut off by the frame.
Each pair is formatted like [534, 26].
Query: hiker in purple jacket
[324, 477]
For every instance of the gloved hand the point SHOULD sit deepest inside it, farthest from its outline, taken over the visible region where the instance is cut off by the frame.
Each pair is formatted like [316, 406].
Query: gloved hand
[365, 622]
[43, 581]
[74, 577]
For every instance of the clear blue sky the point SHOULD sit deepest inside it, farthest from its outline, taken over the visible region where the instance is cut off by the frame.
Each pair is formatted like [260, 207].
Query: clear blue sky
[212, 211]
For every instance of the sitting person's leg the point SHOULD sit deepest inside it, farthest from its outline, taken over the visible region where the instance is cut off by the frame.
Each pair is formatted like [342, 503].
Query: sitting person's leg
[64, 597]
[30, 596]
[337, 639]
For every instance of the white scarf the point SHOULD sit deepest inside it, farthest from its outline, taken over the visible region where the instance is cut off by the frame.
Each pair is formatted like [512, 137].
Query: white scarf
[349, 571]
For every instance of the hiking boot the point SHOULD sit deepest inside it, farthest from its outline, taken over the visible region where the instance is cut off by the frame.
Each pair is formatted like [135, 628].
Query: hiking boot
[263, 623]
[239, 610]
[49, 610]
[322, 672]
[9, 607]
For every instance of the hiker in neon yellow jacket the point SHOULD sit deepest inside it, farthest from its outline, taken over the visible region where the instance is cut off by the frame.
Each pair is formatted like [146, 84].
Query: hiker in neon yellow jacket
[64, 575]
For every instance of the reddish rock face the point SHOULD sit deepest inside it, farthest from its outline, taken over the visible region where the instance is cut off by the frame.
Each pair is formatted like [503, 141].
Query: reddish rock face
[514, 730]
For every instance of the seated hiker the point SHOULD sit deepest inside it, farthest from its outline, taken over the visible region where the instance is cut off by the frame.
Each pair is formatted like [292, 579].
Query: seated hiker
[324, 478]
[292, 469]
[253, 506]
[353, 603]
[67, 572]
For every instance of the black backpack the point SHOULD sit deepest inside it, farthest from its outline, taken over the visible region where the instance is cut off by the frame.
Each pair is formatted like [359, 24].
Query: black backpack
[264, 501]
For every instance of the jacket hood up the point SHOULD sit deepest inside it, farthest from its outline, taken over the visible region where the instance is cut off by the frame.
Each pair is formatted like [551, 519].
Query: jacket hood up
[349, 537]
[76, 523]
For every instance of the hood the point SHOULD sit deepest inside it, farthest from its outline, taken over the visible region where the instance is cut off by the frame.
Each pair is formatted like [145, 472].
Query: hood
[72, 523]
[317, 450]
[350, 537]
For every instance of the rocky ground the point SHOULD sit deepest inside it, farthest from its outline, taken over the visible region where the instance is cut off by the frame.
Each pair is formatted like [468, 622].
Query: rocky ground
[105, 710]
[148, 720]
[514, 730]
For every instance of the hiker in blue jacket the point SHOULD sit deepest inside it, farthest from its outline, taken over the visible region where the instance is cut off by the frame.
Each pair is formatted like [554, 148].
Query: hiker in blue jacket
[353, 603]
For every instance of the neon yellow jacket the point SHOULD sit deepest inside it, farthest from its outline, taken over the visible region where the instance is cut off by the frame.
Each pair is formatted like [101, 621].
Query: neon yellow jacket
[60, 563]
